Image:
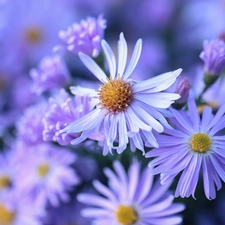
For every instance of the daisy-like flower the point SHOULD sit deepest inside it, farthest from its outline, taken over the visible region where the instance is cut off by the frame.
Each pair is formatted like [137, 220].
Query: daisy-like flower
[131, 198]
[47, 175]
[193, 147]
[16, 211]
[125, 109]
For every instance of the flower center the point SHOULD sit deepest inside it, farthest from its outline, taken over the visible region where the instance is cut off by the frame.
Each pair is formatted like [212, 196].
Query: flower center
[200, 142]
[43, 169]
[6, 217]
[116, 95]
[126, 215]
[33, 35]
[4, 182]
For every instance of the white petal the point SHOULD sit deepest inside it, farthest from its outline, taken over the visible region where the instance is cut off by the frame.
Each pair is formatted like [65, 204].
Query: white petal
[122, 54]
[110, 58]
[80, 91]
[92, 66]
[158, 80]
[134, 59]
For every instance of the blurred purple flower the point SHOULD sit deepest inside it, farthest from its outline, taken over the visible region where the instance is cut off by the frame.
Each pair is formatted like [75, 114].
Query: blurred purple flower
[16, 211]
[131, 199]
[63, 111]
[47, 175]
[126, 109]
[33, 33]
[51, 74]
[85, 37]
[213, 56]
[193, 146]
[30, 126]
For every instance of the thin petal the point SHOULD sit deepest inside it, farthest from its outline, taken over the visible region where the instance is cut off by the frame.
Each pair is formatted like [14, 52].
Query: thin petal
[93, 67]
[122, 54]
[134, 59]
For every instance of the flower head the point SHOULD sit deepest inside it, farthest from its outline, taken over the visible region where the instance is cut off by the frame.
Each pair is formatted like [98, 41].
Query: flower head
[85, 37]
[131, 198]
[47, 175]
[64, 110]
[125, 109]
[52, 73]
[213, 57]
[16, 211]
[193, 145]
[30, 126]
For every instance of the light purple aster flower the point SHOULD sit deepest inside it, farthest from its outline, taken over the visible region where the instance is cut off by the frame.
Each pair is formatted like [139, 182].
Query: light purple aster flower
[16, 211]
[213, 56]
[193, 146]
[30, 126]
[7, 174]
[63, 111]
[126, 110]
[86, 36]
[51, 74]
[47, 175]
[131, 198]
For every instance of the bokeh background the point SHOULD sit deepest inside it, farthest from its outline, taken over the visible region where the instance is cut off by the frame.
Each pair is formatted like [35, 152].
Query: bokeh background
[173, 32]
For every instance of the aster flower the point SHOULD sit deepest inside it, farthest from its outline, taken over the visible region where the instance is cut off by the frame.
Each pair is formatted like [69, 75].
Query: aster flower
[85, 37]
[15, 211]
[131, 198]
[51, 73]
[29, 126]
[214, 58]
[47, 175]
[126, 109]
[194, 145]
[7, 174]
[62, 111]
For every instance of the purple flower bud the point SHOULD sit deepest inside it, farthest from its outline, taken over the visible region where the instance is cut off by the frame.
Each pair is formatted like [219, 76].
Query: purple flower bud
[182, 88]
[85, 37]
[52, 73]
[213, 57]
[62, 112]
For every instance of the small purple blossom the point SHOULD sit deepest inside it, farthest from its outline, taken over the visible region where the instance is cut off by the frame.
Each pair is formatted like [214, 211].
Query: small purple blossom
[51, 73]
[85, 37]
[63, 111]
[193, 147]
[29, 126]
[46, 176]
[213, 56]
[131, 198]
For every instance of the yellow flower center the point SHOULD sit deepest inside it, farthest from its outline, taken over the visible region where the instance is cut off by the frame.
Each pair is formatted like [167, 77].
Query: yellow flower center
[200, 142]
[43, 169]
[6, 217]
[126, 215]
[4, 182]
[33, 35]
[116, 95]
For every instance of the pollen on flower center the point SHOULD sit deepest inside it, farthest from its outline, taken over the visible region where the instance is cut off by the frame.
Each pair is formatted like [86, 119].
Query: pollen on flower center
[33, 35]
[4, 182]
[6, 217]
[43, 169]
[200, 142]
[126, 215]
[116, 95]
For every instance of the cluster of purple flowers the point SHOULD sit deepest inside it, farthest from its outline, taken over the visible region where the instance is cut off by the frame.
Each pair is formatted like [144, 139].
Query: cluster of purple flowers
[127, 150]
